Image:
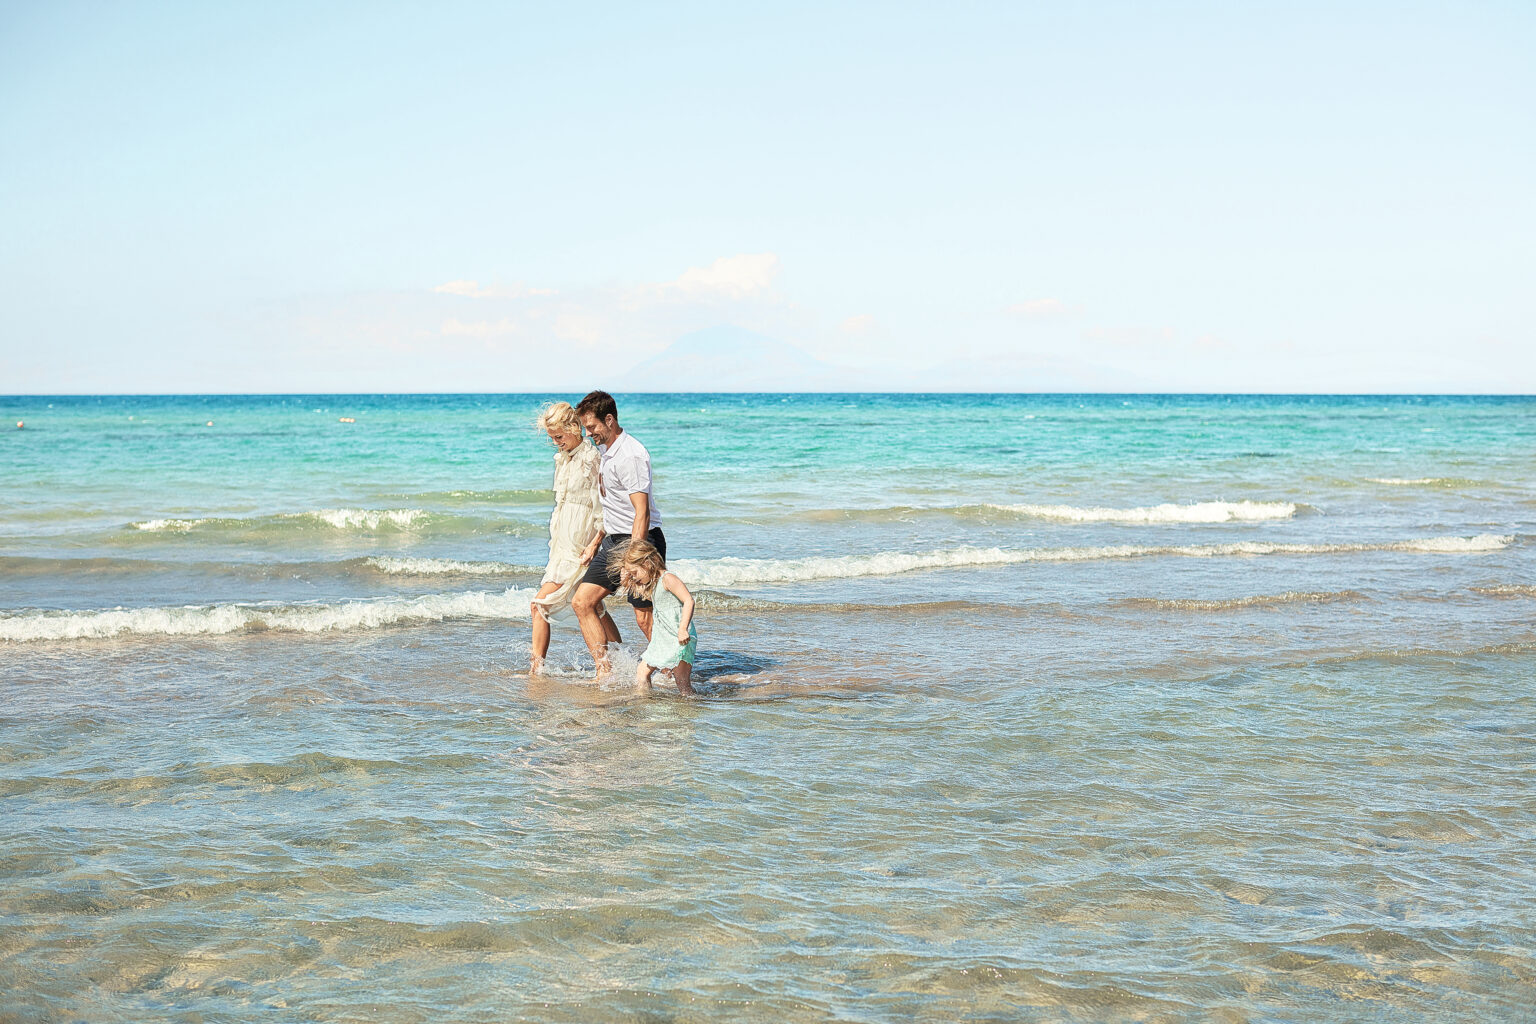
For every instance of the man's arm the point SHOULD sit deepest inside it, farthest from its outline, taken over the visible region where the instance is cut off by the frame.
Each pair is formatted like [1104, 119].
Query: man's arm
[642, 503]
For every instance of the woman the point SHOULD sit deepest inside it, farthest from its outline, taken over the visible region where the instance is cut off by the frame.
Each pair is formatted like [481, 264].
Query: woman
[575, 527]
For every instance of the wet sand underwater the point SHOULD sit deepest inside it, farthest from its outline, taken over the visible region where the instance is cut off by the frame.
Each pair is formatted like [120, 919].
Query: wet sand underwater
[1170, 709]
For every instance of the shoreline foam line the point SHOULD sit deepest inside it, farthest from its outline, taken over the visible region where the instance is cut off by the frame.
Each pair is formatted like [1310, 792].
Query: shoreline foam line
[195, 620]
[725, 572]
[212, 620]
[731, 571]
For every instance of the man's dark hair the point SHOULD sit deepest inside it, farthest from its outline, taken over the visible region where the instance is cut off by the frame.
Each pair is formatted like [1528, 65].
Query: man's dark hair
[599, 404]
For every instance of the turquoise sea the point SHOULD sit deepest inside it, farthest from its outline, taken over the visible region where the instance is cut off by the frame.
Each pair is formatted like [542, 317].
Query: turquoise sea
[1013, 707]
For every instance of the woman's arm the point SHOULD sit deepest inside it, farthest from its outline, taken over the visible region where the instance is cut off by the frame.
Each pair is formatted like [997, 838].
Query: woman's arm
[595, 481]
[680, 590]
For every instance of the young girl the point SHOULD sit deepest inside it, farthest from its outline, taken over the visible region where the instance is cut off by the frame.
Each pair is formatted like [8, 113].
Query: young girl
[575, 527]
[643, 571]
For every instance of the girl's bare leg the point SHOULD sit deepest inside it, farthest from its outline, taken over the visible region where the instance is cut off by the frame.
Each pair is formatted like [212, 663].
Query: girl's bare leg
[643, 678]
[540, 630]
[683, 676]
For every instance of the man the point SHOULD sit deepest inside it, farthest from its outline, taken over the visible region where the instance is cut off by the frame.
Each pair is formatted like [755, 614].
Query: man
[629, 513]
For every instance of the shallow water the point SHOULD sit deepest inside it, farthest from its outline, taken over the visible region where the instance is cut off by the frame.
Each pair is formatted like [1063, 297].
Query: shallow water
[1232, 721]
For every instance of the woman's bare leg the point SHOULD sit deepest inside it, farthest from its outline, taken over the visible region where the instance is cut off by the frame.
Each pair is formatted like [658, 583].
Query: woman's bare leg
[683, 676]
[540, 629]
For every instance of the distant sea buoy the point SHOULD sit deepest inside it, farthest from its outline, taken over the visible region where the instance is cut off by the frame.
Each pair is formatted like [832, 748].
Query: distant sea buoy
[210, 423]
[20, 424]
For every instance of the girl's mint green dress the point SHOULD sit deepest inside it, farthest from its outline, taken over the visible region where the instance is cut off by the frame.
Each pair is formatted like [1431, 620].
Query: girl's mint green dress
[665, 651]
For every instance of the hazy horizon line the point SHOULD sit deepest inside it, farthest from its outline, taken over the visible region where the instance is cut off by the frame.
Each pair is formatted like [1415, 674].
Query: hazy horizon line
[560, 391]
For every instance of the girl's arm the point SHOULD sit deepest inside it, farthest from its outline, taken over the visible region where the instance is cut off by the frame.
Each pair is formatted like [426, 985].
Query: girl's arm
[680, 590]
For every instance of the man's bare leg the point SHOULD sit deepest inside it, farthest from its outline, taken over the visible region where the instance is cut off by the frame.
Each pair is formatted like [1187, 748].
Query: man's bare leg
[643, 620]
[611, 629]
[587, 600]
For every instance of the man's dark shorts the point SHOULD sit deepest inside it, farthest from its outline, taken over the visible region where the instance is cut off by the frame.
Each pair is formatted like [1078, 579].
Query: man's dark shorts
[604, 568]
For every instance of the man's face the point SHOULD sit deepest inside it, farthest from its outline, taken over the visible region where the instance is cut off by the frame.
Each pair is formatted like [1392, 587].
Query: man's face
[601, 432]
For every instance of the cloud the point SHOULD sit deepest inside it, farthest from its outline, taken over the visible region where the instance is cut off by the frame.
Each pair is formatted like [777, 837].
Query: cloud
[1130, 337]
[586, 328]
[454, 327]
[729, 277]
[472, 290]
[1038, 308]
[514, 328]
[858, 324]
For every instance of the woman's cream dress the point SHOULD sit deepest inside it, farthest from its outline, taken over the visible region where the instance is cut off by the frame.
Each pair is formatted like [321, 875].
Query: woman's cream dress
[578, 517]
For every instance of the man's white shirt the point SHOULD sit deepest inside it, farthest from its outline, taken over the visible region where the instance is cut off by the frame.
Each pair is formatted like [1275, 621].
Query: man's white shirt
[626, 470]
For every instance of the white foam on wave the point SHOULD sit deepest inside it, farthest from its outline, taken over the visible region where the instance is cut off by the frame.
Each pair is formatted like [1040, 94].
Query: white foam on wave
[168, 525]
[1439, 482]
[726, 572]
[336, 518]
[363, 518]
[446, 567]
[1198, 512]
[1238, 603]
[196, 620]
[1482, 542]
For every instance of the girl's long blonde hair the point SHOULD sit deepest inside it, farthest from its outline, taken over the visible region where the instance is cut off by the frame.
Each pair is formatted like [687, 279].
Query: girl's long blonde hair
[559, 417]
[641, 554]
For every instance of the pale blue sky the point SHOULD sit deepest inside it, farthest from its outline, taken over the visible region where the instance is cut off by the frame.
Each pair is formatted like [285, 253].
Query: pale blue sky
[1176, 196]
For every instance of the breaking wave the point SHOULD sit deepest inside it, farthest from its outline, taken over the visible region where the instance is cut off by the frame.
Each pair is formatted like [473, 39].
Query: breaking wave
[1198, 512]
[725, 572]
[1422, 481]
[204, 620]
[336, 518]
[718, 602]
[1234, 603]
[173, 525]
[533, 496]
[360, 522]
[365, 518]
[194, 620]
[448, 567]
[1507, 590]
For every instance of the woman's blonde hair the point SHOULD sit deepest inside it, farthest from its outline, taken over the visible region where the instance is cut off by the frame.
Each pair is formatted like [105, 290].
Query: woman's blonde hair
[641, 554]
[559, 417]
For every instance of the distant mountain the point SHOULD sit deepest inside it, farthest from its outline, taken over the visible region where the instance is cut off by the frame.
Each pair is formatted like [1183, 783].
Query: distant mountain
[1028, 374]
[733, 359]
